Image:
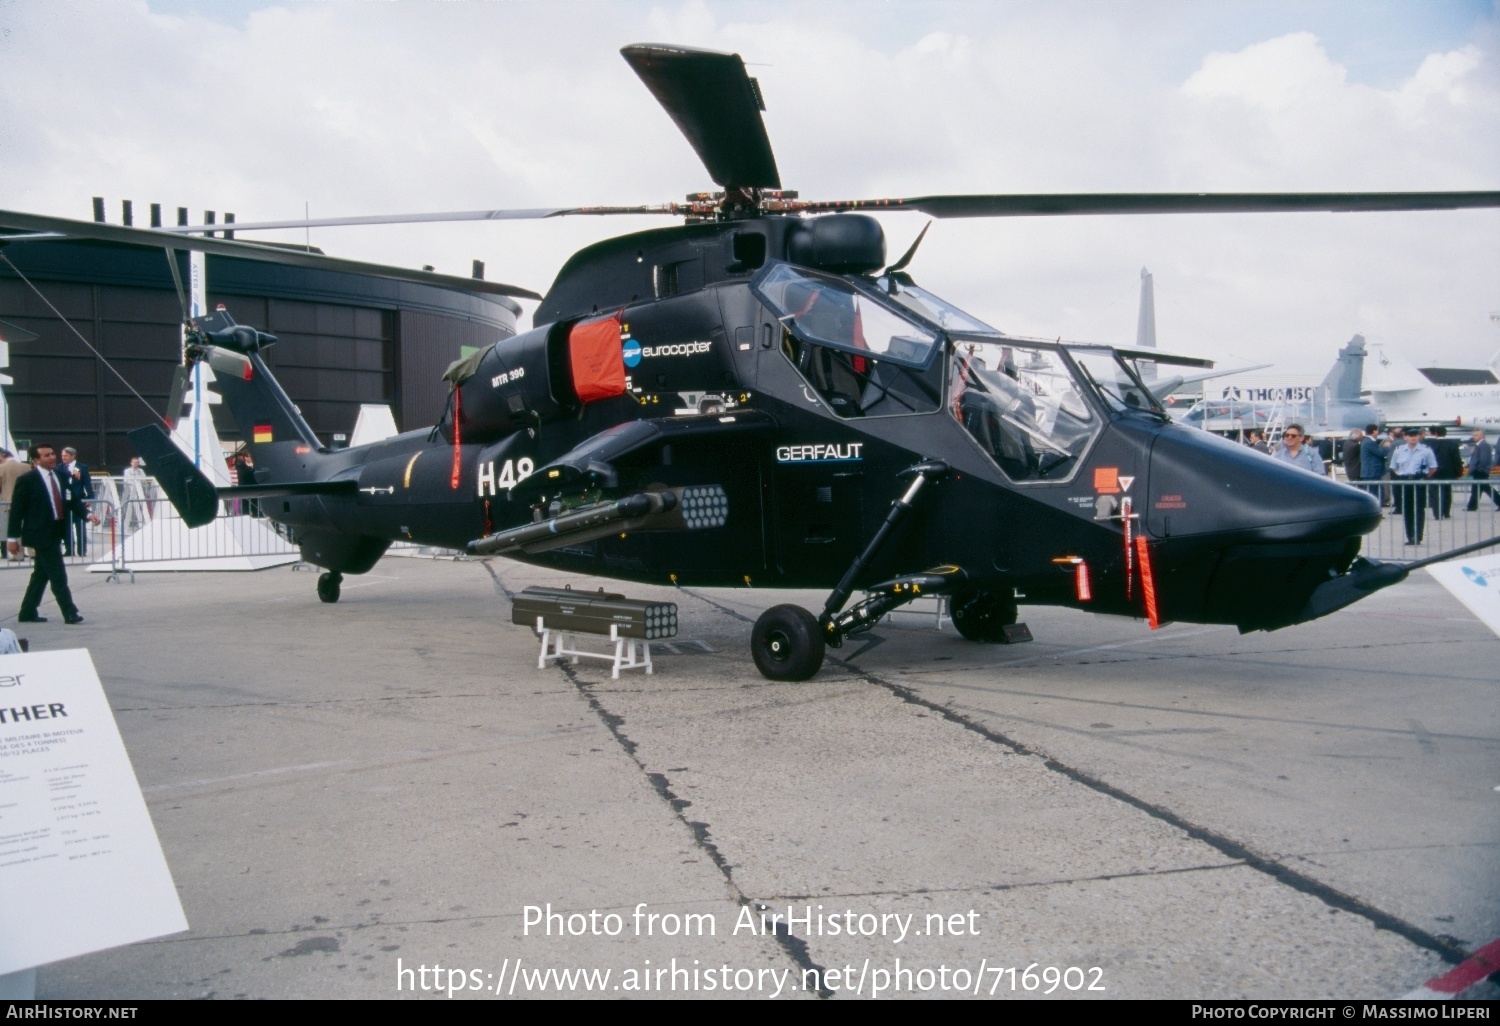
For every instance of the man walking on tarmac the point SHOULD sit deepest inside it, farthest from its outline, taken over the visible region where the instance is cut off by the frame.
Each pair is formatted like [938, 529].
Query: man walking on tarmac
[39, 513]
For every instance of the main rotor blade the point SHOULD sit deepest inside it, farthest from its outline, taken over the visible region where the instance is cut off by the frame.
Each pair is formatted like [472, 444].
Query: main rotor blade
[524, 214]
[1000, 205]
[1036, 205]
[247, 251]
[716, 105]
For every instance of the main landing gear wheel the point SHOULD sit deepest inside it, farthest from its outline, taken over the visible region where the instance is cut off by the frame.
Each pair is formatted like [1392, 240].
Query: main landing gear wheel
[980, 615]
[787, 643]
[328, 586]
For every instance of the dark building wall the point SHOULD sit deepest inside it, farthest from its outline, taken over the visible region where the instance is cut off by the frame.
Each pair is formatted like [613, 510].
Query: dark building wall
[329, 358]
[344, 340]
[430, 343]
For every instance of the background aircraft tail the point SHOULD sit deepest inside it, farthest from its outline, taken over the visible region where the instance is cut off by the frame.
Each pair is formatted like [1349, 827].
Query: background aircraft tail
[1388, 371]
[1145, 320]
[1346, 378]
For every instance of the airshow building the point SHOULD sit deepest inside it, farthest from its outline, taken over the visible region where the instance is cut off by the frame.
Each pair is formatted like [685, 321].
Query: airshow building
[344, 339]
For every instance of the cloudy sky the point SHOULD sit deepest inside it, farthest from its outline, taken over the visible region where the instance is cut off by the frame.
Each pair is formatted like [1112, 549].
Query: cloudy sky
[357, 108]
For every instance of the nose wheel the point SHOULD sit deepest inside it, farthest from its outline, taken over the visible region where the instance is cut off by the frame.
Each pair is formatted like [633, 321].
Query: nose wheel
[328, 586]
[787, 643]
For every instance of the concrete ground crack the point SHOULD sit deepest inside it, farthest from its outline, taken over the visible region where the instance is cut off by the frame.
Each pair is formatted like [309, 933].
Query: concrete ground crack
[795, 947]
[1445, 947]
[726, 610]
[985, 888]
[500, 587]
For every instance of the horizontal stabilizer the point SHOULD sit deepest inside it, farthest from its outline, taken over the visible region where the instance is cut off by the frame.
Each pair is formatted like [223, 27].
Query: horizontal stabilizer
[345, 486]
[189, 490]
[194, 496]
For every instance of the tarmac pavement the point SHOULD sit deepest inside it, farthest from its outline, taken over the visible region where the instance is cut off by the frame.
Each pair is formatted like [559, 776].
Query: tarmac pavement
[351, 795]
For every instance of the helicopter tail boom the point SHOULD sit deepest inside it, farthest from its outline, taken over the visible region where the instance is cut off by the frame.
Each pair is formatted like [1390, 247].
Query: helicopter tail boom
[194, 496]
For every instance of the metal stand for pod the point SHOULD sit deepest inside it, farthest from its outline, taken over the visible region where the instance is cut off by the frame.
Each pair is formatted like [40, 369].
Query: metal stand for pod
[628, 654]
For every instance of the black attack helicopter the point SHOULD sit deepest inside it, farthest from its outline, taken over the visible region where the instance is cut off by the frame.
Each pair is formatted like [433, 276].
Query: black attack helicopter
[756, 398]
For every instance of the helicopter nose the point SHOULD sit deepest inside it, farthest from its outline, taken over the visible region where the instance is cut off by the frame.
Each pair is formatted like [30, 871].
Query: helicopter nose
[1242, 538]
[1200, 484]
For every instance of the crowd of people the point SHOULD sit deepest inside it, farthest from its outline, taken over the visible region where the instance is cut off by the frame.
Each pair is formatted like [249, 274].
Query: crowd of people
[1374, 460]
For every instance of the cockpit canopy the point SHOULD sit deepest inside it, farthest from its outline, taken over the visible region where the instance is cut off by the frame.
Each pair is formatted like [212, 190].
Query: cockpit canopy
[884, 347]
[826, 310]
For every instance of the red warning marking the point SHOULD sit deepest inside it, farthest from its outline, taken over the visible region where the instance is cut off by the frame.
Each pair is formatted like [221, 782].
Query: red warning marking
[1148, 586]
[1106, 480]
[458, 416]
[1479, 965]
[1082, 578]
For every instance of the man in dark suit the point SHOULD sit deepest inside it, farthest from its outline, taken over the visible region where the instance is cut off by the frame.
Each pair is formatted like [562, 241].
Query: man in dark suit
[1481, 465]
[39, 512]
[1450, 468]
[76, 482]
[1349, 455]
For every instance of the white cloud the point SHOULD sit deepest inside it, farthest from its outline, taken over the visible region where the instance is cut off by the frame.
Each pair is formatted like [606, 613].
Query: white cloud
[1274, 75]
[1440, 79]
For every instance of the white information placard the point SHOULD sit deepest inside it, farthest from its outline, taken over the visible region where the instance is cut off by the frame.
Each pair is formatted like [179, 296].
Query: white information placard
[1475, 583]
[81, 868]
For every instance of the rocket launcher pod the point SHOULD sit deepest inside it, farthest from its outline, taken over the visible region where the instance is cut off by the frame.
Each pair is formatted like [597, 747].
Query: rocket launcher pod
[694, 507]
[564, 610]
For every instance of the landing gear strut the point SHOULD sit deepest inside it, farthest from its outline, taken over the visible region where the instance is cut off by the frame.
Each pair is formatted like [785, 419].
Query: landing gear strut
[787, 643]
[328, 586]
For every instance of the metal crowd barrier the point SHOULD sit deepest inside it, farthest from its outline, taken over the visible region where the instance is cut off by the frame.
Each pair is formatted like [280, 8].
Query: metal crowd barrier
[97, 538]
[1446, 522]
[148, 534]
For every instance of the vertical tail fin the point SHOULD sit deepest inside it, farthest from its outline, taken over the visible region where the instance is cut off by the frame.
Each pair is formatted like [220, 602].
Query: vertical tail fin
[255, 399]
[1145, 321]
[1346, 378]
[1145, 324]
[1388, 371]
